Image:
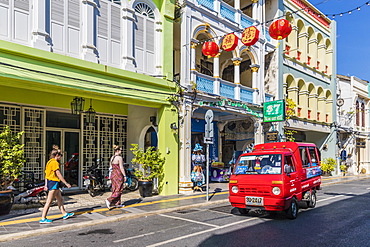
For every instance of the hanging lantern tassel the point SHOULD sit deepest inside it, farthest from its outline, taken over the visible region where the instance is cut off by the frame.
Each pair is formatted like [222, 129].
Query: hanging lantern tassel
[277, 46]
[280, 29]
[210, 49]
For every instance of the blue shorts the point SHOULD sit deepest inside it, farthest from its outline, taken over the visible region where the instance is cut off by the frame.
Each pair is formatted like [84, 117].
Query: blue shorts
[53, 185]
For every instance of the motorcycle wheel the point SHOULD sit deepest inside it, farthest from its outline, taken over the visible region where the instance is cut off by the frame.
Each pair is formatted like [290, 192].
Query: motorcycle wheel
[43, 196]
[91, 190]
[134, 184]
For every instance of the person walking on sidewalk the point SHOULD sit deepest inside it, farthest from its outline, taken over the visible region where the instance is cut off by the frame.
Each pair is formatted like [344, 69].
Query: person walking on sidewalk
[53, 176]
[118, 178]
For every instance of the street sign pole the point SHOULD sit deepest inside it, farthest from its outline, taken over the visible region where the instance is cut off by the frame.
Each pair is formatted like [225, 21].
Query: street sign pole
[208, 139]
[207, 173]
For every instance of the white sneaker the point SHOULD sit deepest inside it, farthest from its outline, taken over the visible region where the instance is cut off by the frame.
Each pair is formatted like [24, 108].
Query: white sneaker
[120, 206]
[108, 204]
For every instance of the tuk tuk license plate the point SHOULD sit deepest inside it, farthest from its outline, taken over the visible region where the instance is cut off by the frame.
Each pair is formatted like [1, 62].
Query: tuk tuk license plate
[254, 201]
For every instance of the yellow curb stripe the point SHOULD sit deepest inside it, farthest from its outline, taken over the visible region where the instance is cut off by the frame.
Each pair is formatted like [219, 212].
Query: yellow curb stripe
[13, 222]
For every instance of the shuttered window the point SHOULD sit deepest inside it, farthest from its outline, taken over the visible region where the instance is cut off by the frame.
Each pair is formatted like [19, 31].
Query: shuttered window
[145, 40]
[103, 19]
[65, 26]
[109, 33]
[73, 13]
[57, 10]
[115, 22]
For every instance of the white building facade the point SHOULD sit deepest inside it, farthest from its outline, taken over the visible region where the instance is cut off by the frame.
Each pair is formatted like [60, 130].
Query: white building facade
[232, 84]
[353, 122]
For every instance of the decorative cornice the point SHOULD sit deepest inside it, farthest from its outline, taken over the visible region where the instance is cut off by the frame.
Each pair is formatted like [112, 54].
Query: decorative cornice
[311, 10]
[254, 1]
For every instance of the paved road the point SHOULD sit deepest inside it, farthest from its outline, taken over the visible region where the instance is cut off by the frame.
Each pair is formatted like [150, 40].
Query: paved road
[341, 218]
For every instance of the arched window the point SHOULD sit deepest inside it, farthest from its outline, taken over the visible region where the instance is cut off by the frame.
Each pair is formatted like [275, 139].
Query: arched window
[150, 139]
[363, 115]
[357, 113]
[144, 30]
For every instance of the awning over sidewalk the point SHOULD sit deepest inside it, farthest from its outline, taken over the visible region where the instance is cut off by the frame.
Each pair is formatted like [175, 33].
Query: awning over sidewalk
[56, 72]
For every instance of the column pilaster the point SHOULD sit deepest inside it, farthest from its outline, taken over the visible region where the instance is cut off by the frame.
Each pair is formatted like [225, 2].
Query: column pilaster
[39, 34]
[128, 39]
[255, 86]
[88, 35]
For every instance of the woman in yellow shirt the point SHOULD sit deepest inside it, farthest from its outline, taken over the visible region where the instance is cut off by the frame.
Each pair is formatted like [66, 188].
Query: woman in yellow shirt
[53, 176]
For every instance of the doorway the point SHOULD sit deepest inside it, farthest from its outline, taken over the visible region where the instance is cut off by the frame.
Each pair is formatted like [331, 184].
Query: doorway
[69, 143]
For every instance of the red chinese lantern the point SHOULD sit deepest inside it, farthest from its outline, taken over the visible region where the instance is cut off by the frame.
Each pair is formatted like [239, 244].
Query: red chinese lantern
[210, 49]
[229, 42]
[250, 36]
[280, 29]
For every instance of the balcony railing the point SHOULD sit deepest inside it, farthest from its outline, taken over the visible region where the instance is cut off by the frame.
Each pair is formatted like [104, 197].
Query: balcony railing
[226, 89]
[227, 11]
[207, 3]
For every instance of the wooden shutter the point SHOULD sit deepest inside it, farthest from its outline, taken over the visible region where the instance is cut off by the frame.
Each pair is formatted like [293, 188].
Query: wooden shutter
[115, 22]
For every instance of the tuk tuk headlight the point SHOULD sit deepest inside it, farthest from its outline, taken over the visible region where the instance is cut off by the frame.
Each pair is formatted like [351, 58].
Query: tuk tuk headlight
[234, 189]
[276, 191]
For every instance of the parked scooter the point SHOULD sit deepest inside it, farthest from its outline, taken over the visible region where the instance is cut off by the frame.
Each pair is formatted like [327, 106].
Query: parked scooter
[132, 183]
[33, 192]
[94, 180]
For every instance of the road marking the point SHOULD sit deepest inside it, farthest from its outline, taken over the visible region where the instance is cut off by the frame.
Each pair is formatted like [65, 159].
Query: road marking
[202, 232]
[13, 222]
[146, 234]
[133, 237]
[330, 198]
[193, 221]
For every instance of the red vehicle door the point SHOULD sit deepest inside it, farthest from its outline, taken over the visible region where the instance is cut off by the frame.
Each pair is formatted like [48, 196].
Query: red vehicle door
[292, 182]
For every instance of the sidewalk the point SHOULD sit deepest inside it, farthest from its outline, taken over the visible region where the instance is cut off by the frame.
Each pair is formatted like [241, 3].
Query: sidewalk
[91, 211]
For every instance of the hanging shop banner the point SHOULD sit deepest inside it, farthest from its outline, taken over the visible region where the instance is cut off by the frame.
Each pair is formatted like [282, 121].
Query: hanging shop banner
[229, 42]
[250, 36]
[360, 144]
[274, 111]
[272, 136]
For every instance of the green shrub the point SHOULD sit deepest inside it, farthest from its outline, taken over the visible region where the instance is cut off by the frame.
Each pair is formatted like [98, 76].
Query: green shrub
[11, 157]
[328, 165]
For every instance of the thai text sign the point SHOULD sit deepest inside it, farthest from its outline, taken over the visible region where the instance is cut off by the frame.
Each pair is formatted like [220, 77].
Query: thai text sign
[274, 111]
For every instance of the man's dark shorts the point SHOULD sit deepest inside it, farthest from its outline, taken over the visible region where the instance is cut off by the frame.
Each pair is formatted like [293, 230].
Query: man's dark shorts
[53, 185]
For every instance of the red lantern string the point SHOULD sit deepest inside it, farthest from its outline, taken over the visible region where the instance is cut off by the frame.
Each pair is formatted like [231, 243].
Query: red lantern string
[210, 49]
[280, 29]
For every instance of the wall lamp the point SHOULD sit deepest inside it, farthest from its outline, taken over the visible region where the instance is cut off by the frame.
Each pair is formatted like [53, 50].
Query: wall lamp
[90, 114]
[153, 120]
[173, 126]
[77, 105]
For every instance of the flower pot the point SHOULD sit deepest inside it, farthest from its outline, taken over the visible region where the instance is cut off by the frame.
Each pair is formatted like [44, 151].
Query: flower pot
[6, 201]
[146, 188]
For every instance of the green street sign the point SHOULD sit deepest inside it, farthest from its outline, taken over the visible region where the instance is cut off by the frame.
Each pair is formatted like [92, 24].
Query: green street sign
[274, 111]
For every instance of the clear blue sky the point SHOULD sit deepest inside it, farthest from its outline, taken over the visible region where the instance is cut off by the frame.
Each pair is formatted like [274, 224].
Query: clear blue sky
[353, 35]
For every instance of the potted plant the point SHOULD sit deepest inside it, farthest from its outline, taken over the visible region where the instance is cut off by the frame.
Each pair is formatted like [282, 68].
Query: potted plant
[11, 163]
[343, 169]
[149, 165]
[328, 165]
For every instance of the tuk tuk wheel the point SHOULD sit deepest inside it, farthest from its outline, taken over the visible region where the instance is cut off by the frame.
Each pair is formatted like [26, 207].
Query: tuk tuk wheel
[243, 211]
[313, 199]
[292, 211]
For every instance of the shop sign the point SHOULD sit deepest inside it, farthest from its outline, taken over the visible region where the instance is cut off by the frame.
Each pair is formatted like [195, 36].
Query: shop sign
[360, 144]
[274, 111]
[272, 136]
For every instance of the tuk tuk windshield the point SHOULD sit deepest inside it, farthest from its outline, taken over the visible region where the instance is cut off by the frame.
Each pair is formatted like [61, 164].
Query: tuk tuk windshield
[259, 164]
